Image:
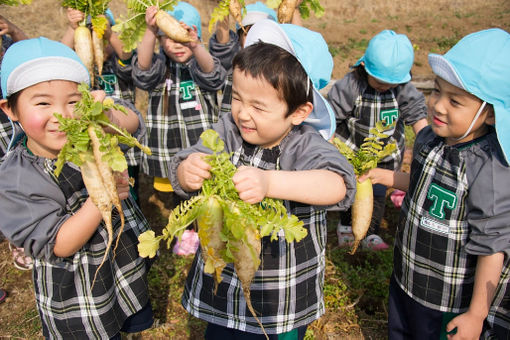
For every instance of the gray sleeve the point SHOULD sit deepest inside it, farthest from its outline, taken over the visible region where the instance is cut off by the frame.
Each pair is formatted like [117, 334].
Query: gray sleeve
[308, 150]
[140, 133]
[225, 52]
[211, 81]
[342, 96]
[488, 205]
[32, 208]
[411, 104]
[124, 68]
[149, 79]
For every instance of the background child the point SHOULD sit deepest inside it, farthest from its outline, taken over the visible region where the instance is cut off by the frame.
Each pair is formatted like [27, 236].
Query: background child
[378, 89]
[182, 81]
[452, 245]
[53, 218]
[275, 90]
[116, 79]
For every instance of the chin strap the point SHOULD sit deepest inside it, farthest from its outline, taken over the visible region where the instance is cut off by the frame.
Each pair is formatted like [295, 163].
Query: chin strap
[478, 113]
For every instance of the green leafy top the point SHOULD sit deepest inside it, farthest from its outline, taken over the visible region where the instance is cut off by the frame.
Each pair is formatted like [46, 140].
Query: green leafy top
[305, 7]
[222, 10]
[15, 2]
[132, 28]
[78, 146]
[269, 217]
[371, 151]
[94, 8]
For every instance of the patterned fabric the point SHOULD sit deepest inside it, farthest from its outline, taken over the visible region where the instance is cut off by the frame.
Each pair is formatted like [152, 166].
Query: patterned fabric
[287, 290]
[226, 96]
[181, 107]
[498, 320]
[358, 107]
[450, 215]
[67, 306]
[5, 133]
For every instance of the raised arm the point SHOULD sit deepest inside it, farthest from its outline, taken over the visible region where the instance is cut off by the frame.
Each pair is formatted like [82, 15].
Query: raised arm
[146, 46]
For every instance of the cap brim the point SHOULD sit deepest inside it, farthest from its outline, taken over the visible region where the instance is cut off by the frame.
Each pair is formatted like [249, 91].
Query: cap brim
[322, 118]
[443, 69]
[502, 123]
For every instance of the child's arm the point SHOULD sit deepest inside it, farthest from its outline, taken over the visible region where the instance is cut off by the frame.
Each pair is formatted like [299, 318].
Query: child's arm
[204, 59]
[146, 46]
[116, 44]
[419, 125]
[469, 324]
[74, 16]
[77, 229]
[7, 27]
[128, 121]
[315, 187]
[223, 30]
[393, 179]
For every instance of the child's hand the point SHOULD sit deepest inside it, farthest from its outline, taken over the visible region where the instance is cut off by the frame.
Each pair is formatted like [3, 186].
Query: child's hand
[376, 175]
[469, 326]
[251, 183]
[193, 33]
[150, 19]
[122, 180]
[192, 171]
[5, 26]
[74, 17]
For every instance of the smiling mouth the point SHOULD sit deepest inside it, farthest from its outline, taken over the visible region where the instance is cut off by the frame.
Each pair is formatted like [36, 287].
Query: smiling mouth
[438, 121]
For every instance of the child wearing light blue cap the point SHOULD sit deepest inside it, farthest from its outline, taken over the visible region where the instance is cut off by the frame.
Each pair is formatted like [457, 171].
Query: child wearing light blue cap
[54, 219]
[452, 247]
[182, 81]
[378, 89]
[277, 133]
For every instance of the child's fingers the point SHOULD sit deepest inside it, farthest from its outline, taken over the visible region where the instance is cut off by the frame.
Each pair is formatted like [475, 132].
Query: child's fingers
[98, 95]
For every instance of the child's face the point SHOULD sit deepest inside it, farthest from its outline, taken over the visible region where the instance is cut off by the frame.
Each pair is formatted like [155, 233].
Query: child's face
[378, 85]
[34, 111]
[175, 51]
[451, 110]
[260, 113]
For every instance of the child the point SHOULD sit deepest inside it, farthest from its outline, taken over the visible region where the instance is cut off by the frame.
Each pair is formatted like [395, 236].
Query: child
[182, 80]
[116, 79]
[53, 218]
[378, 89]
[452, 246]
[279, 155]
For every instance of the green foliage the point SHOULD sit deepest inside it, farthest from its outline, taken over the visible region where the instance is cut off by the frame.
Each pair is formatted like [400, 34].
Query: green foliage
[222, 10]
[268, 217]
[373, 149]
[94, 8]
[132, 27]
[305, 8]
[15, 2]
[78, 146]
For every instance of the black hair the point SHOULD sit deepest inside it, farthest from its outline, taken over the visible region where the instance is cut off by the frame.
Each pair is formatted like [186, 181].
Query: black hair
[280, 68]
[12, 101]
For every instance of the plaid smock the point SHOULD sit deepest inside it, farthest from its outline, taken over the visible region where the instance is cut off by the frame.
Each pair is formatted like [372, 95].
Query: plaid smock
[358, 107]
[67, 307]
[457, 207]
[5, 133]
[287, 290]
[183, 103]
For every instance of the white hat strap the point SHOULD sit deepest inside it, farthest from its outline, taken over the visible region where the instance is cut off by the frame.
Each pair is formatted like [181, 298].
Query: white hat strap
[478, 113]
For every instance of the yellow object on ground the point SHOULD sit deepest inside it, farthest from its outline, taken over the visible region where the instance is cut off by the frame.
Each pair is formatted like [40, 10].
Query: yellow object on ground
[162, 184]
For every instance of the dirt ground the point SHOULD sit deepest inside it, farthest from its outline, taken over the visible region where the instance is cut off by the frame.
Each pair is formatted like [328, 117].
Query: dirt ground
[347, 26]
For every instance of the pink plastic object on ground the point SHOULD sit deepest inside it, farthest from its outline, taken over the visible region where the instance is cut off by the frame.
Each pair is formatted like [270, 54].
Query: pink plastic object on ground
[188, 244]
[397, 197]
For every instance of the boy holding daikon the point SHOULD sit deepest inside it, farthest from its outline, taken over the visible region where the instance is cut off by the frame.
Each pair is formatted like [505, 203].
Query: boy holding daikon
[182, 81]
[451, 259]
[54, 218]
[378, 89]
[277, 133]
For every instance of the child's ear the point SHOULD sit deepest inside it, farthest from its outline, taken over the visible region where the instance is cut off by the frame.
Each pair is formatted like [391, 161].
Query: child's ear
[301, 113]
[7, 110]
[491, 118]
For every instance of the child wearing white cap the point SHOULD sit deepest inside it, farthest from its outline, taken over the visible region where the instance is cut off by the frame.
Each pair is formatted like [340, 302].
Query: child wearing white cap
[182, 81]
[378, 89]
[54, 219]
[451, 260]
[277, 134]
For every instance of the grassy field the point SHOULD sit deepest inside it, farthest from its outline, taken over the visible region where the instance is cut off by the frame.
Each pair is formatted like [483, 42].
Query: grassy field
[356, 286]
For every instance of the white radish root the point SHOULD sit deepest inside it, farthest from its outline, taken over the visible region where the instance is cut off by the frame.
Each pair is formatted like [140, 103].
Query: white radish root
[286, 11]
[361, 212]
[98, 47]
[172, 28]
[84, 49]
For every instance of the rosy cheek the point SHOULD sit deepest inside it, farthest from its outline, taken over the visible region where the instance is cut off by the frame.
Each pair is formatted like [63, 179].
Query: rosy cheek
[34, 124]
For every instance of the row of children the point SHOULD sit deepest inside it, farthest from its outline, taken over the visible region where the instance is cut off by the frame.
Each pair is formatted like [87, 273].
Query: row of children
[451, 258]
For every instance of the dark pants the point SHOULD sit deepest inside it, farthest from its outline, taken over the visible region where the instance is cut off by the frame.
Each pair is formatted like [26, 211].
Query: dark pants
[215, 332]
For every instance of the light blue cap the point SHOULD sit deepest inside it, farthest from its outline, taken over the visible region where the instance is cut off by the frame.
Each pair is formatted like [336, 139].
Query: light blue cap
[188, 14]
[389, 57]
[480, 64]
[257, 11]
[32, 61]
[311, 50]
